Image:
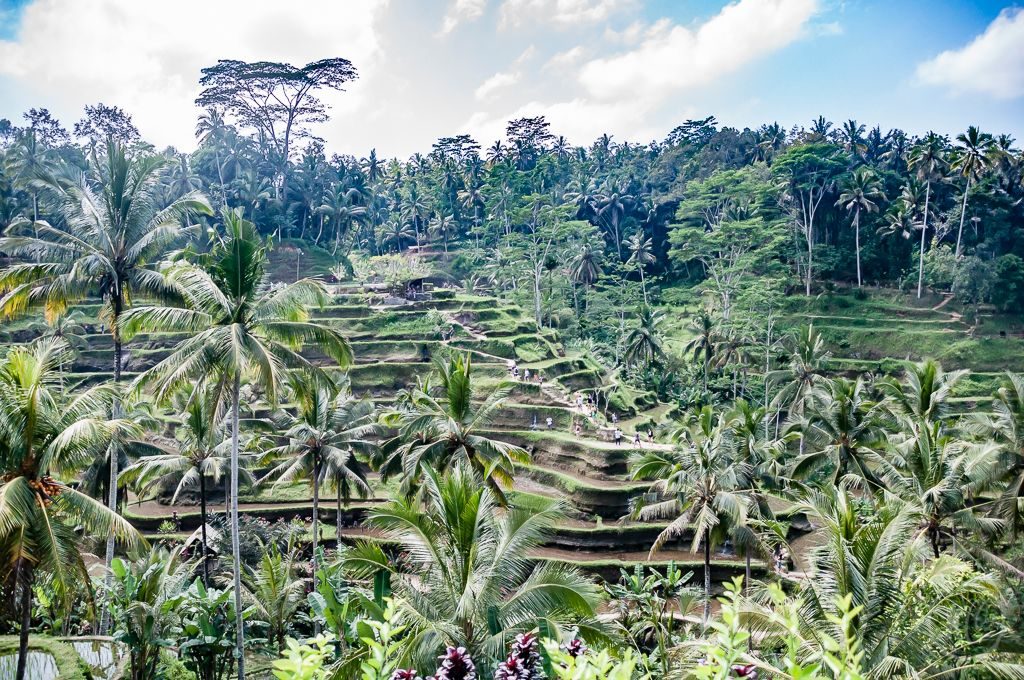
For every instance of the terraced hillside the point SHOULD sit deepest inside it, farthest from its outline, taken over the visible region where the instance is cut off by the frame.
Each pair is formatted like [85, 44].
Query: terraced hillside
[394, 342]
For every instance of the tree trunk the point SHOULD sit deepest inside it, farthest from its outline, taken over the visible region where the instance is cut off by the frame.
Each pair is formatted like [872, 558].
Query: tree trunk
[924, 230]
[236, 559]
[809, 235]
[337, 519]
[707, 578]
[113, 453]
[202, 518]
[26, 621]
[963, 214]
[856, 231]
[746, 589]
[643, 284]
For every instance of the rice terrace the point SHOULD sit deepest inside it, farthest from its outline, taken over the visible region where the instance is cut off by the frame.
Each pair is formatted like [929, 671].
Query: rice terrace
[512, 339]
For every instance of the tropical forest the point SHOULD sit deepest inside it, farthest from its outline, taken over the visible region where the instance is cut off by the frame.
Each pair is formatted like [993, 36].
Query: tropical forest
[730, 403]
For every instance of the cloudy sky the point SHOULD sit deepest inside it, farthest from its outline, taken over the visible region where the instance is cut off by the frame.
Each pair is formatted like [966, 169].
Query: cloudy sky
[632, 68]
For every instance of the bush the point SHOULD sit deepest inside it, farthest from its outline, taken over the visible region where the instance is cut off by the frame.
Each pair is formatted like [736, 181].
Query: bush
[1010, 283]
[172, 668]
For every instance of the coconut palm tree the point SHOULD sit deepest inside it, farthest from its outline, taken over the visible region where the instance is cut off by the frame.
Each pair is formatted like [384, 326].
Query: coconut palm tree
[805, 370]
[845, 432]
[640, 256]
[970, 159]
[585, 267]
[928, 159]
[329, 428]
[937, 474]
[239, 328]
[643, 344]
[860, 192]
[44, 437]
[703, 483]
[110, 227]
[704, 344]
[911, 610]
[467, 579]
[1004, 427]
[275, 591]
[612, 205]
[203, 455]
[922, 394]
[443, 425]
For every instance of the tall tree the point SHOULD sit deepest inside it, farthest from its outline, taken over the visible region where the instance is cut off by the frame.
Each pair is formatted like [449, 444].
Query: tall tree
[808, 173]
[111, 229]
[861, 191]
[702, 483]
[44, 437]
[239, 329]
[928, 160]
[970, 159]
[276, 100]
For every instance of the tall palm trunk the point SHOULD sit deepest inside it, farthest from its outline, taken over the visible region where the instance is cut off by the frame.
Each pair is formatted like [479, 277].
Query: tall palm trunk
[236, 561]
[316, 525]
[856, 232]
[643, 284]
[25, 577]
[924, 230]
[963, 213]
[337, 519]
[202, 519]
[707, 578]
[117, 304]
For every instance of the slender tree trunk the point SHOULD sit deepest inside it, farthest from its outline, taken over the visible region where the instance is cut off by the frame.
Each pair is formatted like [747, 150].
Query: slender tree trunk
[809, 235]
[26, 622]
[235, 553]
[220, 177]
[935, 541]
[202, 518]
[643, 284]
[924, 230]
[746, 590]
[707, 578]
[316, 524]
[856, 231]
[963, 214]
[337, 519]
[113, 453]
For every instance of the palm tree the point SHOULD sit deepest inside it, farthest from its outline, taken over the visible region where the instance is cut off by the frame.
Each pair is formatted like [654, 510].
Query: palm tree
[923, 392]
[845, 431]
[329, 428]
[1004, 427]
[910, 610]
[937, 475]
[612, 206]
[275, 591]
[202, 454]
[705, 340]
[643, 344]
[806, 369]
[396, 232]
[860, 192]
[585, 266]
[442, 425]
[928, 159]
[442, 225]
[640, 256]
[340, 208]
[467, 579]
[43, 434]
[969, 161]
[238, 329]
[210, 129]
[704, 484]
[111, 227]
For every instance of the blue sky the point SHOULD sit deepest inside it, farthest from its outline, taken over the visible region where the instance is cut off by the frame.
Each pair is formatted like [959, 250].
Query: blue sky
[633, 68]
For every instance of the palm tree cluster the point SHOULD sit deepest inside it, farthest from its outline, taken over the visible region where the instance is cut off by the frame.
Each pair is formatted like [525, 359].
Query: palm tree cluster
[913, 503]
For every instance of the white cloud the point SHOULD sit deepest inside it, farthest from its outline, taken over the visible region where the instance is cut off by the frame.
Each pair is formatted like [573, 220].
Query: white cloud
[559, 12]
[681, 58]
[496, 82]
[637, 31]
[146, 56]
[992, 63]
[461, 11]
[504, 79]
[566, 59]
[624, 93]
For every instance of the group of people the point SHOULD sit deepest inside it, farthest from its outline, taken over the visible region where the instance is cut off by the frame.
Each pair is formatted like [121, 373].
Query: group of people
[524, 375]
[588, 406]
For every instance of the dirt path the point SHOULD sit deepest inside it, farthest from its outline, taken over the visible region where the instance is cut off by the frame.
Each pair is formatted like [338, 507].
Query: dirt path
[944, 302]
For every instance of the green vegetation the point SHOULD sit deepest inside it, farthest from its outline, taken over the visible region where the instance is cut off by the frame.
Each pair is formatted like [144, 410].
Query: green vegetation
[486, 413]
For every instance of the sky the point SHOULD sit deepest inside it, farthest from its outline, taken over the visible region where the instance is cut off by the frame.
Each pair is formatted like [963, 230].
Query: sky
[431, 68]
